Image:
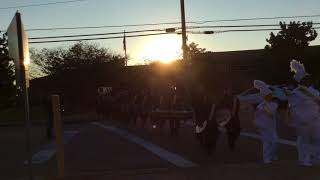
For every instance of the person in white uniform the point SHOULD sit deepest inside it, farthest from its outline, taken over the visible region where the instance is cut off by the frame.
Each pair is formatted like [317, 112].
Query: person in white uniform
[265, 121]
[305, 113]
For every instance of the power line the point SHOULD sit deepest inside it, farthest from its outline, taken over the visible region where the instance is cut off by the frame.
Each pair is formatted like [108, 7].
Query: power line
[237, 30]
[155, 30]
[239, 26]
[231, 30]
[169, 23]
[100, 27]
[41, 4]
[155, 34]
[258, 18]
[101, 38]
[98, 34]
[250, 30]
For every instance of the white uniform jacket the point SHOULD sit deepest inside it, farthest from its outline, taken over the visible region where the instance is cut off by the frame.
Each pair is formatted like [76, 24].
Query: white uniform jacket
[265, 115]
[304, 108]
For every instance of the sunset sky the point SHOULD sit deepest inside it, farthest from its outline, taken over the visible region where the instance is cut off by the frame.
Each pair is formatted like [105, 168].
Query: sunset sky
[118, 12]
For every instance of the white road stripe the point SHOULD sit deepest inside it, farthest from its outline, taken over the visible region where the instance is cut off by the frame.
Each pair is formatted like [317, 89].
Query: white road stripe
[281, 141]
[48, 151]
[255, 136]
[162, 153]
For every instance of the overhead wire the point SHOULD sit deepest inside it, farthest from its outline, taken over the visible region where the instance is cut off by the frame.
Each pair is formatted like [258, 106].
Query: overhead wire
[169, 23]
[238, 30]
[96, 34]
[41, 4]
[239, 26]
[99, 38]
[158, 30]
[257, 18]
[154, 34]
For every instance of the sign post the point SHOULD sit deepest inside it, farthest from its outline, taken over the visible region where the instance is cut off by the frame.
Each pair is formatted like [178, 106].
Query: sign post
[57, 123]
[19, 51]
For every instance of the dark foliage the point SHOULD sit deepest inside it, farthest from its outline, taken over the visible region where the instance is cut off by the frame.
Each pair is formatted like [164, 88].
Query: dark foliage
[81, 55]
[289, 43]
[6, 73]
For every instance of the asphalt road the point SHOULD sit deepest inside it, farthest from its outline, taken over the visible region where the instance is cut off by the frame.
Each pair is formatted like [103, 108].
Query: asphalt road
[97, 150]
[118, 147]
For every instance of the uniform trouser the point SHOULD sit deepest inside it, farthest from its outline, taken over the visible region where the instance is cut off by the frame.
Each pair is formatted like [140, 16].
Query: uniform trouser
[174, 127]
[144, 117]
[308, 143]
[211, 135]
[316, 143]
[232, 138]
[269, 138]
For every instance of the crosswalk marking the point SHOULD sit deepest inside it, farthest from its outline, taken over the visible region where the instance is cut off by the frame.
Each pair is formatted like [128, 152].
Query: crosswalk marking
[281, 141]
[255, 136]
[48, 151]
[173, 158]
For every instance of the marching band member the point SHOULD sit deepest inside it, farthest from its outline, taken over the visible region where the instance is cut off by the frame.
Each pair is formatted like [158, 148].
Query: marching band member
[265, 120]
[203, 110]
[304, 110]
[233, 125]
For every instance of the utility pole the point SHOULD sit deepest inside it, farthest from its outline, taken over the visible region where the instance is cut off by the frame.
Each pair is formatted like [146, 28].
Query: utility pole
[125, 48]
[184, 33]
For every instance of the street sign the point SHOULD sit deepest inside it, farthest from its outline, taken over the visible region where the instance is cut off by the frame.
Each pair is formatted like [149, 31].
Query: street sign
[13, 44]
[19, 51]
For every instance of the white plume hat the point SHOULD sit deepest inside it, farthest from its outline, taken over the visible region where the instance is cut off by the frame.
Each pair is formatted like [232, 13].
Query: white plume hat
[262, 86]
[299, 70]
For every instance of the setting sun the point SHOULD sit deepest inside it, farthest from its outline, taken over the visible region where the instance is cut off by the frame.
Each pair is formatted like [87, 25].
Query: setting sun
[163, 48]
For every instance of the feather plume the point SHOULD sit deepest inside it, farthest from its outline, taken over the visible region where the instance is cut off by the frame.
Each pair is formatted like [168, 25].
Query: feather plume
[259, 84]
[262, 86]
[296, 66]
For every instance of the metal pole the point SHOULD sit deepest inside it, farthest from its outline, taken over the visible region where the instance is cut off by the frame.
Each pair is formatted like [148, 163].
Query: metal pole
[58, 134]
[184, 33]
[125, 48]
[24, 94]
[184, 42]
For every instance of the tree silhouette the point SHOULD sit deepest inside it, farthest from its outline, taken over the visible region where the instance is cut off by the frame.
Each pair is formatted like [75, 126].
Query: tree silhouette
[80, 55]
[6, 72]
[194, 49]
[292, 39]
[289, 43]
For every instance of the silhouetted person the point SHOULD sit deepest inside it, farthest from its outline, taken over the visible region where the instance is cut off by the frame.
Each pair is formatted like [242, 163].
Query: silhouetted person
[136, 106]
[202, 108]
[208, 129]
[164, 108]
[125, 105]
[146, 107]
[211, 135]
[99, 106]
[178, 106]
[107, 106]
[233, 125]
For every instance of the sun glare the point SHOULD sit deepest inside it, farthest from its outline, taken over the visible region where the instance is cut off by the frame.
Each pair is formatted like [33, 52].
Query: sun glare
[162, 48]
